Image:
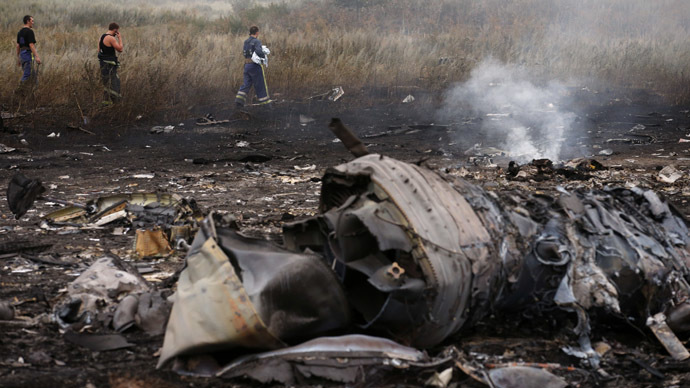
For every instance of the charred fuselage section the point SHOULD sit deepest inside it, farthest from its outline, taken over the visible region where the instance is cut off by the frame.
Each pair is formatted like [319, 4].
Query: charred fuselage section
[415, 256]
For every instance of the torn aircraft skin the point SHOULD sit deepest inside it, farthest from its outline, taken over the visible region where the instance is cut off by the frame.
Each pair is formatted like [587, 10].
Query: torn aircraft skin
[162, 221]
[415, 257]
[241, 292]
[333, 358]
[338, 359]
[141, 209]
[93, 296]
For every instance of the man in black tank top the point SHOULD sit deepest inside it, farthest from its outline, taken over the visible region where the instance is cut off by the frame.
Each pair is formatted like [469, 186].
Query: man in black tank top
[108, 44]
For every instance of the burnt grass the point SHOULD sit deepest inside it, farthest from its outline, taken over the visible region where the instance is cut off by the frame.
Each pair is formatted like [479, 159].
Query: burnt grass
[205, 163]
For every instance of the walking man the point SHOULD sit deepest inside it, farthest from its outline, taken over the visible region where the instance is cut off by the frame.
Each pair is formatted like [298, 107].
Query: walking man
[27, 55]
[254, 74]
[110, 42]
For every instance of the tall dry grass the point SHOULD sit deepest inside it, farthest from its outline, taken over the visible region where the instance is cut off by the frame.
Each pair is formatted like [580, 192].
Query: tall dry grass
[184, 53]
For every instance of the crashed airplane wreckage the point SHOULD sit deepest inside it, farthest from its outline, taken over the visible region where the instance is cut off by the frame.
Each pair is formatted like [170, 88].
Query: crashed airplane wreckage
[162, 221]
[399, 251]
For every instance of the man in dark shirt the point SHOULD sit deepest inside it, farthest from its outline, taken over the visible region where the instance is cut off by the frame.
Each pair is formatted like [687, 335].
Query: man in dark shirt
[254, 74]
[110, 42]
[26, 49]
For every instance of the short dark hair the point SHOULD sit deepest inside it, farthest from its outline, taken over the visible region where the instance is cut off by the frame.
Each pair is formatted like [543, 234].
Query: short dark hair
[253, 30]
[113, 26]
[27, 18]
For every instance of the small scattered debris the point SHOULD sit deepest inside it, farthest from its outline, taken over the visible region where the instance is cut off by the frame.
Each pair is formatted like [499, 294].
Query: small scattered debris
[152, 243]
[143, 176]
[306, 168]
[350, 141]
[332, 95]
[97, 342]
[440, 380]
[602, 348]
[6, 311]
[336, 93]
[669, 174]
[659, 327]
[520, 376]
[408, 99]
[304, 120]
[162, 129]
[93, 296]
[5, 149]
[209, 120]
[606, 152]
[22, 192]
[80, 128]
[53, 135]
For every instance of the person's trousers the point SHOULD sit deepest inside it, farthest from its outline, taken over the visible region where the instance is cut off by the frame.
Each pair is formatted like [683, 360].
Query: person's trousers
[27, 62]
[111, 81]
[254, 75]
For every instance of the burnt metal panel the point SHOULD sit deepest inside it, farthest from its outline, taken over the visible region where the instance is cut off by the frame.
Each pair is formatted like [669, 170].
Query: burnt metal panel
[449, 240]
[243, 292]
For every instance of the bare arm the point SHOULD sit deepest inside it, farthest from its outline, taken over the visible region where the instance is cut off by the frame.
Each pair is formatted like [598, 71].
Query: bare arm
[115, 42]
[33, 51]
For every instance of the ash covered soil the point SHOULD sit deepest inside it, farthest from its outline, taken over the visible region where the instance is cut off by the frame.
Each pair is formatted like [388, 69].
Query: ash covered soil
[205, 163]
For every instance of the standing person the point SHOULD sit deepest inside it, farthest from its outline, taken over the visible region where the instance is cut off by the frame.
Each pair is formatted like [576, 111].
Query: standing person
[110, 42]
[26, 50]
[254, 74]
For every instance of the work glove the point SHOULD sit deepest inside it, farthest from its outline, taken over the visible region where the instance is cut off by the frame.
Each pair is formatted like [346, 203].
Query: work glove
[258, 60]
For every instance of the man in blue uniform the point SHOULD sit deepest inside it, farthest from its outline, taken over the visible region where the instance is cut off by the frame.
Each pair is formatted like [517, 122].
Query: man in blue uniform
[254, 74]
[26, 49]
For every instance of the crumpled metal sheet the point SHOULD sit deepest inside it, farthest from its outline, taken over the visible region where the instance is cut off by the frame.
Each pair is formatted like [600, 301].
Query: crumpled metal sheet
[414, 219]
[623, 250]
[148, 243]
[149, 311]
[419, 256]
[142, 209]
[92, 297]
[338, 359]
[242, 292]
[162, 219]
[21, 194]
[98, 342]
[523, 377]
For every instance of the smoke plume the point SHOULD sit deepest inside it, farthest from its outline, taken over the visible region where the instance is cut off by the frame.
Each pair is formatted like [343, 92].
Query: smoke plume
[528, 120]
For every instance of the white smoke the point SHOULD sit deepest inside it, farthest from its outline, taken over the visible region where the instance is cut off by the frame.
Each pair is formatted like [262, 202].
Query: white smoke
[528, 121]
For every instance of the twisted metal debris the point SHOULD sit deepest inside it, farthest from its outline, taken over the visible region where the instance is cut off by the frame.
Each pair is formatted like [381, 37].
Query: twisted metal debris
[416, 257]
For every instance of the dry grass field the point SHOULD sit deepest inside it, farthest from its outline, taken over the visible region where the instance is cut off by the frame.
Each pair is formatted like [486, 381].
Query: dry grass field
[184, 53]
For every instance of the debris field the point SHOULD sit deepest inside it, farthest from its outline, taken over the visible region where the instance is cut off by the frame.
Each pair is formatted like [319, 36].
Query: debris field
[382, 248]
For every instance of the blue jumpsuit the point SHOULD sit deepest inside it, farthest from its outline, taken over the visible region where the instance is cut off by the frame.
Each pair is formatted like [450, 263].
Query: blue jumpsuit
[254, 74]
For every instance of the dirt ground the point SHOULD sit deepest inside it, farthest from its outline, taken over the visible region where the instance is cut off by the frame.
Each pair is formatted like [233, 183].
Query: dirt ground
[203, 162]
